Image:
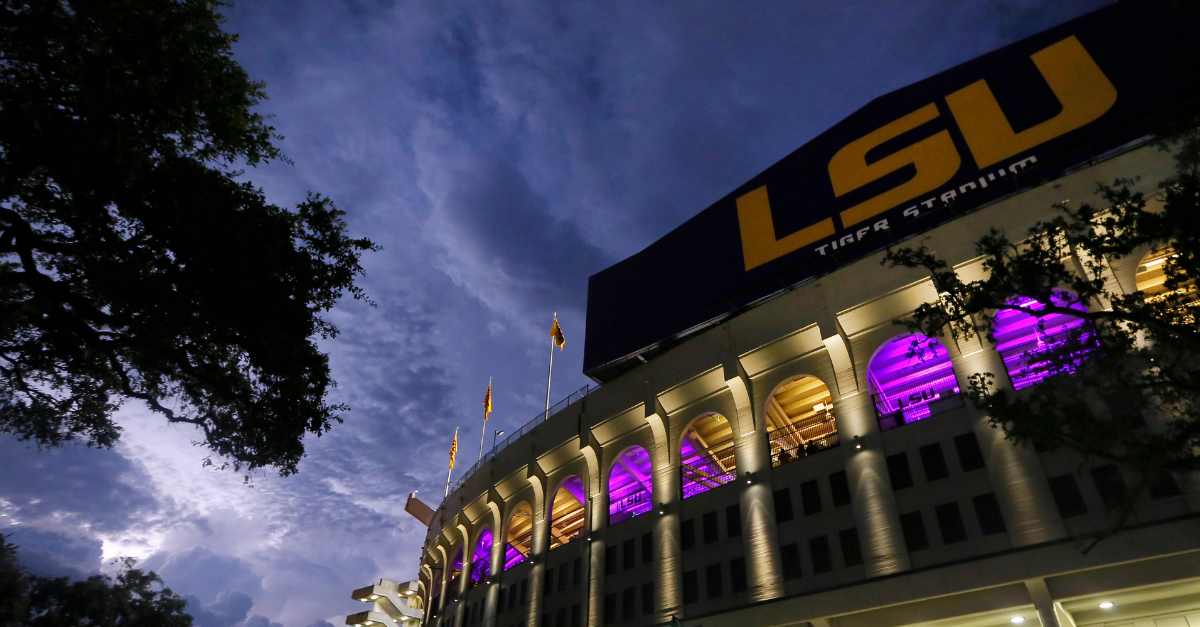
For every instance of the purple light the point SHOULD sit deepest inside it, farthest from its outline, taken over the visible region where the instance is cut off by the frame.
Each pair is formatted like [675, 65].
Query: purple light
[481, 560]
[1026, 342]
[456, 565]
[705, 468]
[512, 556]
[906, 375]
[629, 486]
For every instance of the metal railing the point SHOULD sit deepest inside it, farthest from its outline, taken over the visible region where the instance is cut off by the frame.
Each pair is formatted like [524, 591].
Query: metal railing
[526, 428]
[802, 439]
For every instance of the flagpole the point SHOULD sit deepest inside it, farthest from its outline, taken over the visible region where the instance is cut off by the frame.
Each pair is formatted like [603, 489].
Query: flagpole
[451, 468]
[550, 375]
[482, 433]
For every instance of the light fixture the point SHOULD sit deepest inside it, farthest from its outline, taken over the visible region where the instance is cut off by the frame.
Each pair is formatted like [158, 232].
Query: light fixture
[374, 596]
[749, 479]
[1107, 605]
[857, 442]
[1017, 620]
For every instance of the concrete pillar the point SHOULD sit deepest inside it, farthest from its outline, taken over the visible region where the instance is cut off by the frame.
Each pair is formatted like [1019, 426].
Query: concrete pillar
[1015, 471]
[760, 538]
[667, 552]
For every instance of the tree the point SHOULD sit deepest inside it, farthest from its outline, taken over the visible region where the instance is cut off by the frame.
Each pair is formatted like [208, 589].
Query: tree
[1124, 386]
[134, 598]
[135, 263]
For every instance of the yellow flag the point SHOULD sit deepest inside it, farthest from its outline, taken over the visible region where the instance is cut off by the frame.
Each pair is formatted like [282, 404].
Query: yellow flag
[487, 401]
[453, 449]
[557, 334]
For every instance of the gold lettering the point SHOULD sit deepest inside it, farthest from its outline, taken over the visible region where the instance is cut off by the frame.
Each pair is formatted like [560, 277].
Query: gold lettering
[935, 158]
[1078, 83]
[758, 230]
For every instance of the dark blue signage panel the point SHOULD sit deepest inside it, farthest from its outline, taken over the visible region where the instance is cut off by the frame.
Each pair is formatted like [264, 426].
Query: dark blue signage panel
[908, 161]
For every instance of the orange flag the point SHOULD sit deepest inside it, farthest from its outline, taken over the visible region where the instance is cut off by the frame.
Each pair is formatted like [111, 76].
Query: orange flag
[557, 334]
[453, 450]
[487, 401]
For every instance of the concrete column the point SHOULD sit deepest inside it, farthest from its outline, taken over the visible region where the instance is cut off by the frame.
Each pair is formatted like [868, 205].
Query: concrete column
[463, 577]
[538, 549]
[1016, 473]
[760, 538]
[496, 561]
[667, 552]
[594, 550]
[871, 494]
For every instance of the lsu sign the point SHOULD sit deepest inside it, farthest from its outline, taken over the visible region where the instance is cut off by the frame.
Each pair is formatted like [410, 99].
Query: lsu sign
[908, 161]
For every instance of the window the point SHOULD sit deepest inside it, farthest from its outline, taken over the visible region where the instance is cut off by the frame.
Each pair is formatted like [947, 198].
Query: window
[560, 618]
[783, 506]
[950, 523]
[1163, 485]
[914, 532]
[934, 462]
[629, 554]
[687, 535]
[733, 521]
[1067, 496]
[789, 554]
[712, 579]
[647, 547]
[987, 508]
[503, 597]
[800, 420]
[610, 608]
[610, 559]
[548, 582]
[810, 496]
[1111, 485]
[575, 616]
[564, 577]
[709, 525]
[707, 455]
[524, 591]
[576, 571]
[737, 574]
[839, 487]
[691, 587]
[546, 619]
[628, 609]
[851, 549]
[629, 486]
[898, 470]
[647, 598]
[1031, 346]
[969, 455]
[822, 559]
[566, 513]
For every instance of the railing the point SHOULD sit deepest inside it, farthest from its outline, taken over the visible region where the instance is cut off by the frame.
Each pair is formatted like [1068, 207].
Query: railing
[803, 439]
[526, 428]
[942, 402]
[702, 472]
[1041, 357]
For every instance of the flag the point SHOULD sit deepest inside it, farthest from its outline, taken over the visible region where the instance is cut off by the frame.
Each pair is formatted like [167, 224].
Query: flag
[557, 334]
[487, 401]
[453, 449]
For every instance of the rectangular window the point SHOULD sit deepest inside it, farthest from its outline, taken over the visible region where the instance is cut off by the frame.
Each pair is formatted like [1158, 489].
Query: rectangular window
[576, 617]
[733, 521]
[950, 523]
[851, 549]
[898, 470]
[628, 609]
[503, 597]
[546, 617]
[969, 455]
[1066, 495]
[647, 598]
[610, 559]
[709, 526]
[839, 488]
[810, 497]
[737, 574]
[789, 554]
[564, 577]
[822, 559]
[647, 547]
[629, 554]
[548, 582]
[1163, 485]
[987, 508]
[560, 618]
[914, 532]
[524, 591]
[576, 571]
[610, 608]
[1111, 485]
[712, 578]
[783, 506]
[691, 587]
[687, 535]
[934, 462]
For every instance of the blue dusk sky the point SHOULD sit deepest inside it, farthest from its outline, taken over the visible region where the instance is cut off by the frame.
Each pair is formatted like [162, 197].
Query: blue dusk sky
[500, 152]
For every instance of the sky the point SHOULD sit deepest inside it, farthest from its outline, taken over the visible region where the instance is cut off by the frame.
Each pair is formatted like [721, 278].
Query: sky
[500, 152]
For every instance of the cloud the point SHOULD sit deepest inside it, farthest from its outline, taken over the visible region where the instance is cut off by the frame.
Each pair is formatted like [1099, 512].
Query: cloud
[205, 574]
[53, 554]
[259, 621]
[229, 608]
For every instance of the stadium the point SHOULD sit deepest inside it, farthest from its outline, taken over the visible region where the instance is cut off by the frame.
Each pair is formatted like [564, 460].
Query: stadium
[768, 447]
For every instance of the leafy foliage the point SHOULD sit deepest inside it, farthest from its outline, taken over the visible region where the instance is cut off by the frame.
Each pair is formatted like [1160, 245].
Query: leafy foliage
[134, 261]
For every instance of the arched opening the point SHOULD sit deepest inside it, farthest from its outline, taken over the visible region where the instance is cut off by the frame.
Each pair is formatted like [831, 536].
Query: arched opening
[566, 513]
[707, 456]
[456, 565]
[911, 378]
[481, 558]
[629, 485]
[1034, 347]
[520, 535]
[800, 419]
[1162, 285]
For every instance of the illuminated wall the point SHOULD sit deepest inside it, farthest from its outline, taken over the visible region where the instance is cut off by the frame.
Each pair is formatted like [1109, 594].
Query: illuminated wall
[1028, 343]
[481, 559]
[520, 535]
[566, 514]
[906, 375]
[800, 420]
[629, 486]
[707, 455]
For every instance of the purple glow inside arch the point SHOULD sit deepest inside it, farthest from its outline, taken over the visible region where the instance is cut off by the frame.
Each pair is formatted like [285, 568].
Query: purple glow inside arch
[512, 556]
[706, 464]
[629, 486]
[481, 559]
[908, 374]
[1025, 341]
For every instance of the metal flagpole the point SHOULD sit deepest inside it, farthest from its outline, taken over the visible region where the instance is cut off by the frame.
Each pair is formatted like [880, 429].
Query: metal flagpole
[550, 375]
[487, 407]
[451, 465]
